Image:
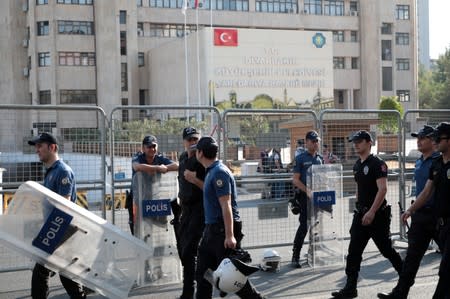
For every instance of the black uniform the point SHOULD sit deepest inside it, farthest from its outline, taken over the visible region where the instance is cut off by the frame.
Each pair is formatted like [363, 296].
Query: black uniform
[191, 223]
[440, 175]
[366, 174]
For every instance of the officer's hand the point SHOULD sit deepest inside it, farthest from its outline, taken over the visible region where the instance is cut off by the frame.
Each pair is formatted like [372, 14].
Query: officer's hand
[190, 176]
[368, 218]
[162, 169]
[405, 216]
[230, 242]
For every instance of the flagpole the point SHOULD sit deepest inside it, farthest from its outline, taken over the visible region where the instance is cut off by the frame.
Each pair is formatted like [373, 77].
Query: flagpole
[198, 63]
[184, 9]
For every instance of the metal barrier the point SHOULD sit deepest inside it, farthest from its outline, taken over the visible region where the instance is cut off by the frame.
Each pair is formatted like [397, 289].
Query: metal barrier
[81, 135]
[166, 123]
[243, 135]
[249, 137]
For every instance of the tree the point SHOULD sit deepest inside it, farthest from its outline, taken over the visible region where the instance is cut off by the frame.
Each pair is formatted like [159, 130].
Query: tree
[427, 89]
[441, 77]
[389, 120]
[252, 126]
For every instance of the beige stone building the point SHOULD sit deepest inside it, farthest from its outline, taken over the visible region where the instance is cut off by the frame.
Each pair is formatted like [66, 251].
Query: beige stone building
[96, 52]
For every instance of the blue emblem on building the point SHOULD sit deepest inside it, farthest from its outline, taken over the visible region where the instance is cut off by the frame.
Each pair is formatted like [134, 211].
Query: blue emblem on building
[319, 40]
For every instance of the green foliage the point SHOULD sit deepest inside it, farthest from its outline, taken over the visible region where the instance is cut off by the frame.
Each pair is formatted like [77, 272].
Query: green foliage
[434, 85]
[138, 129]
[252, 126]
[389, 120]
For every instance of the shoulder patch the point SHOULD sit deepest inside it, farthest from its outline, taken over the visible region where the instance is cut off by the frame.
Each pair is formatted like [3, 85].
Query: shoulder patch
[65, 181]
[219, 183]
[383, 167]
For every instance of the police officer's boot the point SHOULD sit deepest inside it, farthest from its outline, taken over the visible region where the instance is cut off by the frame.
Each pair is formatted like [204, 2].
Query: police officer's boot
[397, 293]
[349, 290]
[295, 262]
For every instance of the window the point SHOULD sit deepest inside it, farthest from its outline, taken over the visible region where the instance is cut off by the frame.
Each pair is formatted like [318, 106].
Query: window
[338, 36]
[42, 28]
[341, 97]
[123, 17]
[354, 36]
[354, 63]
[76, 58]
[124, 76]
[234, 5]
[402, 38]
[387, 78]
[402, 64]
[403, 95]
[76, 27]
[386, 50]
[386, 28]
[80, 2]
[125, 112]
[78, 96]
[123, 43]
[353, 6]
[339, 62]
[170, 30]
[277, 6]
[45, 97]
[402, 12]
[313, 7]
[141, 59]
[44, 59]
[333, 7]
[41, 2]
[140, 29]
[139, 3]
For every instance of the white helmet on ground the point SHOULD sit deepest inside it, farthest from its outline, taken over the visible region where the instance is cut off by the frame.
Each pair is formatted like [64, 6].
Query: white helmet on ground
[271, 261]
[231, 275]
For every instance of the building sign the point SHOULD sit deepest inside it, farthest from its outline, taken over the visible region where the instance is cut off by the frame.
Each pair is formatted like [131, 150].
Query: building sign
[269, 67]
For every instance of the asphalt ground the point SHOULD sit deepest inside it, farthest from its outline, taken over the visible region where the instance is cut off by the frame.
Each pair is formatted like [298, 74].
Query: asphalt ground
[377, 275]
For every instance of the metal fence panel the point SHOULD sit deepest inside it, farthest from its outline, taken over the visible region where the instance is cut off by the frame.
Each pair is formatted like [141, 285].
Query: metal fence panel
[336, 126]
[130, 124]
[263, 195]
[80, 132]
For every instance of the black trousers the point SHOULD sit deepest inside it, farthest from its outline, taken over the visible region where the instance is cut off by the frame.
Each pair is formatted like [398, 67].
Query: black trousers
[211, 252]
[421, 232]
[39, 284]
[379, 232]
[190, 231]
[302, 229]
[443, 286]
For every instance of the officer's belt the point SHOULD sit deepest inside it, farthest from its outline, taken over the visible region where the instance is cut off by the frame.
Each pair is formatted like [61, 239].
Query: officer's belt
[360, 208]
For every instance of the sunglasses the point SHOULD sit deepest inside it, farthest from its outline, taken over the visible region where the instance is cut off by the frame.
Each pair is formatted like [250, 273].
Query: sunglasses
[192, 139]
[150, 146]
[439, 138]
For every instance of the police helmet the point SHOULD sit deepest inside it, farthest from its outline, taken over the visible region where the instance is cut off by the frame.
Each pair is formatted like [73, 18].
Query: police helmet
[231, 275]
[271, 261]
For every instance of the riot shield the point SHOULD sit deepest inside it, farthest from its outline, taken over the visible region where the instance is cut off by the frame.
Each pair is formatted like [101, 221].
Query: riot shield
[72, 241]
[151, 202]
[326, 215]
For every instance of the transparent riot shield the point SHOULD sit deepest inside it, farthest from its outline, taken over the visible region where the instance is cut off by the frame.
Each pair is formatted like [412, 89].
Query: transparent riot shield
[151, 202]
[326, 215]
[72, 241]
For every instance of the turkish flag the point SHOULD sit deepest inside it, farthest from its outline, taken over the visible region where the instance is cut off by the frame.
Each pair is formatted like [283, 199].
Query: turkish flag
[226, 37]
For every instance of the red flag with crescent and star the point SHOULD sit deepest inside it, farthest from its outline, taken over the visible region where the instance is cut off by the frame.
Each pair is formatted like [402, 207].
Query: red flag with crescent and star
[226, 37]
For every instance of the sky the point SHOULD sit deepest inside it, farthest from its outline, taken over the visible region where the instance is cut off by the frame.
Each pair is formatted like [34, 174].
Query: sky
[439, 27]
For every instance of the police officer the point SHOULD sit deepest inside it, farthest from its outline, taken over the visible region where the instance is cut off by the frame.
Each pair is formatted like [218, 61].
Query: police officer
[223, 227]
[191, 175]
[151, 162]
[59, 178]
[423, 222]
[372, 218]
[302, 163]
[439, 183]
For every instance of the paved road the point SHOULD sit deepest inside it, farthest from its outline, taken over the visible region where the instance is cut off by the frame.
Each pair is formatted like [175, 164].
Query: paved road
[376, 275]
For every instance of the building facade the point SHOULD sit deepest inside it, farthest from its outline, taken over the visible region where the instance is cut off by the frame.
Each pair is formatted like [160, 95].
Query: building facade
[96, 52]
[423, 28]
